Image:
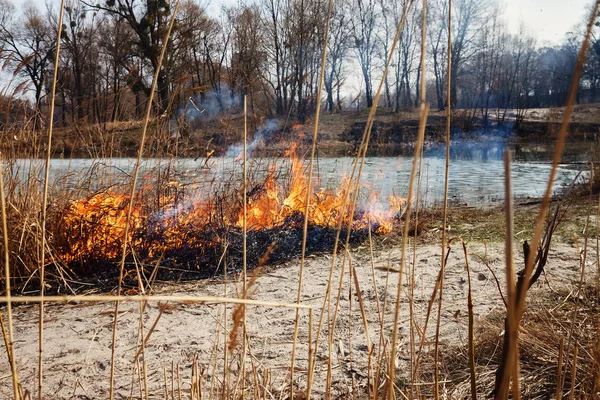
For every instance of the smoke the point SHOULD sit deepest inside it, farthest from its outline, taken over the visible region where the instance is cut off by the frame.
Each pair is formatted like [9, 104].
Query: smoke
[186, 203]
[462, 149]
[210, 104]
[262, 135]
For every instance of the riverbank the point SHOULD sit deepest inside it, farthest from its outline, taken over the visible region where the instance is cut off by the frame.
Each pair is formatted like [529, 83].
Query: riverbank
[339, 134]
[184, 337]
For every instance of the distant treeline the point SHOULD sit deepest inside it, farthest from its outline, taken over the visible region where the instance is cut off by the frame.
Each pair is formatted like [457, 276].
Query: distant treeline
[269, 51]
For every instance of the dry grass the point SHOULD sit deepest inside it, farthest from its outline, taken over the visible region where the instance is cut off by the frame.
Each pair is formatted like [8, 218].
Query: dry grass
[545, 324]
[557, 331]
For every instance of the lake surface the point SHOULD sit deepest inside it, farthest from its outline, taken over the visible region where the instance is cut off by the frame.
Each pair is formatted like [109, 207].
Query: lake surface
[474, 180]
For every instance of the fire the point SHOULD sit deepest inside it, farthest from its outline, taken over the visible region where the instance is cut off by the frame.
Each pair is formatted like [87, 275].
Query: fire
[175, 227]
[270, 209]
[94, 226]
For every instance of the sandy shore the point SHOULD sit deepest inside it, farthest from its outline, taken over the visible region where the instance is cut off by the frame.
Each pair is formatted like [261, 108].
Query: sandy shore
[78, 336]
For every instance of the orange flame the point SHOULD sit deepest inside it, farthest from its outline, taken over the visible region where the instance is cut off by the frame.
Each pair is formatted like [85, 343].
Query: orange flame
[269, 209]
[94, 226]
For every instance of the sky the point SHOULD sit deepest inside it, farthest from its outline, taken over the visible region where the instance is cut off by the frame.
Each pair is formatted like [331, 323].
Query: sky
[547, 20]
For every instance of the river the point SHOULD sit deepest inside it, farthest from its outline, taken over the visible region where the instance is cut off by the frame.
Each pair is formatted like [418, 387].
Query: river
[476, 174]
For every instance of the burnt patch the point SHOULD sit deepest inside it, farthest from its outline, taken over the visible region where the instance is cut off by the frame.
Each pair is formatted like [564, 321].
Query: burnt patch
[200, 256]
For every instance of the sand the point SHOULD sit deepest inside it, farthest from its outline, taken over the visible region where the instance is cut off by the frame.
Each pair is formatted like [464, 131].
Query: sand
[78, 336]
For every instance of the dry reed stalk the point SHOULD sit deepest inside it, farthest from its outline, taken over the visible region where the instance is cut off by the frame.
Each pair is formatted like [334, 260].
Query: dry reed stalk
[186, 299]
[45, 202]
[132, 196]
[193, 378]
[374, 277]
[309, 190]
[143, 352]
[445, 200]
[140, 335]
[362, 152]
[512, 331]
[583, 261]
[225, 334]
[165, 383]
[256, 388]
[244, 245]
[391, 373]
[7, 277]
[382, 342]
[178, 383]
[411, 285]
[311, 366]
[410, 294]
[139, 374]
[559, 370]
[373, 394]
[134, 372]
[531, 256]
[146, 339]
[172, 380]
[471, 326]
[574, 372]
[363, 313]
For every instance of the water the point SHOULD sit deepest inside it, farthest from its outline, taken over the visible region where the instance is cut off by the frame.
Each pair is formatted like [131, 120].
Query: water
[473, 180]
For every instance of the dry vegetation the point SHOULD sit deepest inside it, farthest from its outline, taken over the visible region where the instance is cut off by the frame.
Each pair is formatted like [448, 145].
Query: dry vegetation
[541, 343]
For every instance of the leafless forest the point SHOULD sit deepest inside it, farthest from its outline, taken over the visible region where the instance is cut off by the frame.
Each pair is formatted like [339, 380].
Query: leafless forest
[202, 268]
[269, 51]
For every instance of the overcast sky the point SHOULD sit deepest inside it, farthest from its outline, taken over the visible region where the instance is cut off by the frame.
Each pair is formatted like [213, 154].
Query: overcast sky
[547, 20]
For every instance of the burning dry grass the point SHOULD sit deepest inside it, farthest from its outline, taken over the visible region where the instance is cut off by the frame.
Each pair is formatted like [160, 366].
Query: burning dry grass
[164, 225]
[186, 226]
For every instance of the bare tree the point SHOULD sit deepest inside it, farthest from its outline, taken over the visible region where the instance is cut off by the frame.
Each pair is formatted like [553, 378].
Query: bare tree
[28, 44]
[248, 56]
[469, 17]
[407, 54]
[79, 56]
[274, 15]
[437, 34]
[337, 49]
[148, 20]
[119, 64]
[197, 54]
[365, 15]
[304, 25]
[486, 65]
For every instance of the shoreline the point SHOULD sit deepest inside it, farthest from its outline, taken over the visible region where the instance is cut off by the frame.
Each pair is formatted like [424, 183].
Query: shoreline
[475, 223]
[184, 332]
[77, 345]
[392, 134]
